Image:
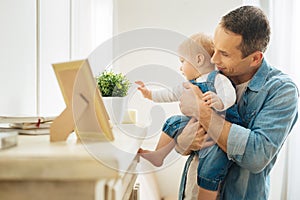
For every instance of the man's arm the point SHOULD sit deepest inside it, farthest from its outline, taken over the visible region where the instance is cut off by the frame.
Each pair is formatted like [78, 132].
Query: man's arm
[191, 104]
[192, 138]
[215, 125]
[255, 147]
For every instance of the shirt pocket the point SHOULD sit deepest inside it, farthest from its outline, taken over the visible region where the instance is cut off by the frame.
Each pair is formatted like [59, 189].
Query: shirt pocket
[251, 105]
[248, 116]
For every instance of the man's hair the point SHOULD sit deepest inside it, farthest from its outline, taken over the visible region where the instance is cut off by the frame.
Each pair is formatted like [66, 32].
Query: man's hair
[252, 24]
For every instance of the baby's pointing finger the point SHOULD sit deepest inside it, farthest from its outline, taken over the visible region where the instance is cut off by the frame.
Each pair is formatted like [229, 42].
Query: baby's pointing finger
[140, 83]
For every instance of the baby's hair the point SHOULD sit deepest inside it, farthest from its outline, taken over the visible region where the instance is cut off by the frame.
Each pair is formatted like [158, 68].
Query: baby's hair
[195, 45]
[205, 41]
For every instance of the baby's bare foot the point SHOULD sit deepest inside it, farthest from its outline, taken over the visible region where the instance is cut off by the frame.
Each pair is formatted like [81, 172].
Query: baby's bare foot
[154, 157]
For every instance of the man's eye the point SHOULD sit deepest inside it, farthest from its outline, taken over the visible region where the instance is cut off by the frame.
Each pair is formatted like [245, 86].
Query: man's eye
[225, 54]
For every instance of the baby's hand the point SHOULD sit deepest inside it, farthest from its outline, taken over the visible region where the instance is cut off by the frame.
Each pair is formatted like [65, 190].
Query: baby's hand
[212, 100]
[145, 92]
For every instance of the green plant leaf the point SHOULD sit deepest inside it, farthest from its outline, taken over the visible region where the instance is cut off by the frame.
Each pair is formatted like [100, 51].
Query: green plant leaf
[113, 84]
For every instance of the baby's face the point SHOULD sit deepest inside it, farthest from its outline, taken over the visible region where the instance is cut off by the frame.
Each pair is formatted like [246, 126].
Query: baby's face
[188, 70]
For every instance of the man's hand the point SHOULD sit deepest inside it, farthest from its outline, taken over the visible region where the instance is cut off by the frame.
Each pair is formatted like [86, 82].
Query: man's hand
[190, 100]
[192, 138]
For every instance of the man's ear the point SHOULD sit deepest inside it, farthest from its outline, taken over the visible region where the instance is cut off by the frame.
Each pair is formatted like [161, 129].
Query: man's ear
[256, 58]
[200, 59]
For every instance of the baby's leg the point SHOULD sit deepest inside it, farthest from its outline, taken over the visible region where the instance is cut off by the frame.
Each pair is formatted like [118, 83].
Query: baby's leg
[212, 169]
[172, 128]
[163, 148]
[207, 194]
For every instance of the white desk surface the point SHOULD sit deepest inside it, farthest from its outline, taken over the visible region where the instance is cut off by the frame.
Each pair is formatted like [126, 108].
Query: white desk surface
[36, 158]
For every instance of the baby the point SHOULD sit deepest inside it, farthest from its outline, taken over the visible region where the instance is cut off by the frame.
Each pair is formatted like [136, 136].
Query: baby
[218, 93]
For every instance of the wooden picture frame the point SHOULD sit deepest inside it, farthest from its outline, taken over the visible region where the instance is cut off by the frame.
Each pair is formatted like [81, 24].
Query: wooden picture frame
[85, 112]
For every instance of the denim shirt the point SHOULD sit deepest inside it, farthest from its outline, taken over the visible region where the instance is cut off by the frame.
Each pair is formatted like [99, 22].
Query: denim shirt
[269, 108]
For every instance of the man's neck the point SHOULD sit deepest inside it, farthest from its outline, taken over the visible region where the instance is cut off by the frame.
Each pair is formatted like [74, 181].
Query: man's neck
[243, 78]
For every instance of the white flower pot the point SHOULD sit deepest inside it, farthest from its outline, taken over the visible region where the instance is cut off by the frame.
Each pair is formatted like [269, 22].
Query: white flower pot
[115, 107]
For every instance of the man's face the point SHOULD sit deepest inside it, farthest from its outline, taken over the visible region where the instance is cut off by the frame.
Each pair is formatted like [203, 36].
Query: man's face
[228, 58]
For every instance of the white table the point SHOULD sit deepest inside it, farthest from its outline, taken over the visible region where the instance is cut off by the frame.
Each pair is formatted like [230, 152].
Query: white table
[38, 169]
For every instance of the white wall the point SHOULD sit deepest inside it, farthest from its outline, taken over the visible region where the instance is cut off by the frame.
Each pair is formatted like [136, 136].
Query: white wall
[18, 57]
[185, 17]
[34, 35]
[54, 43]
[69, 30]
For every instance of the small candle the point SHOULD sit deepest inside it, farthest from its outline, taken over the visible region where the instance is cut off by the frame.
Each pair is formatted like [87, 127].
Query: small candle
[130, 116]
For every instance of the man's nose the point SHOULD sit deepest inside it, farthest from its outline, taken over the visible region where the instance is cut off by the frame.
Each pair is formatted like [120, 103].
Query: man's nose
[215, 58]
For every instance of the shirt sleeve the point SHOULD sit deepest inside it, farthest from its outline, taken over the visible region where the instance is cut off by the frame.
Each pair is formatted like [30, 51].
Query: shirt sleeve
[225, 91]
[167, 95]
[255, 147]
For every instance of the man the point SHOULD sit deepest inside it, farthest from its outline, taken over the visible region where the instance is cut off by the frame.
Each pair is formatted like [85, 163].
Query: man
[267, 103]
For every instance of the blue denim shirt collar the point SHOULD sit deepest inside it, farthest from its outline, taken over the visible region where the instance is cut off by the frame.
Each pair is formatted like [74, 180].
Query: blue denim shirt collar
[259, 79]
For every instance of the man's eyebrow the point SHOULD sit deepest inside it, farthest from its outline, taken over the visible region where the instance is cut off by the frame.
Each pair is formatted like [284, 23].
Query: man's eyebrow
[222, 51]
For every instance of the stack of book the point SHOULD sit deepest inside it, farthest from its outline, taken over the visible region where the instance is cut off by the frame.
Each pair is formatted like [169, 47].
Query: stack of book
[33, 125]
[8, 138]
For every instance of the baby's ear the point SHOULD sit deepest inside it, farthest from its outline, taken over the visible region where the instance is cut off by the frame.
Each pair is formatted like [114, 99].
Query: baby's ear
[200, 59]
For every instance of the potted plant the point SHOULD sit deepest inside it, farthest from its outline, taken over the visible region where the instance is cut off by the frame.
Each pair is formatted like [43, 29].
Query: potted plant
[114, 89]
[113, 84]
